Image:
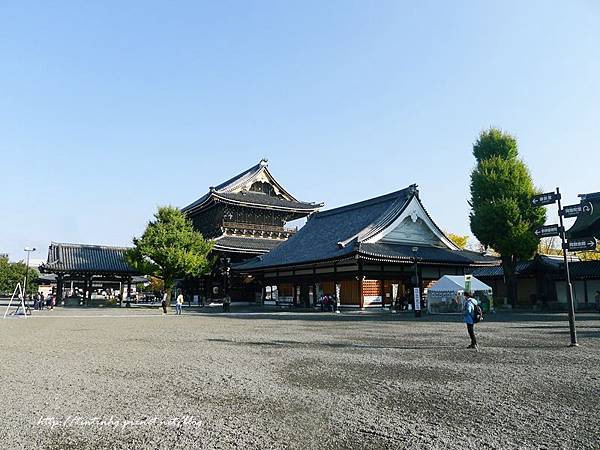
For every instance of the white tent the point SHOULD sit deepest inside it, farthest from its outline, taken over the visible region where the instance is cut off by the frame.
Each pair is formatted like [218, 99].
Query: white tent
[447, 294]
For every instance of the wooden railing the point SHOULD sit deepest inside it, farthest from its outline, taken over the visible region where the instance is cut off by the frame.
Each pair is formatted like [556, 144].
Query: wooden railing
[257, 227]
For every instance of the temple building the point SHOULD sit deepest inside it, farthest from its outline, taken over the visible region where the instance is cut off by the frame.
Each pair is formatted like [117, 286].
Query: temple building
[365, 253]
[246, 216]
[587, 225]
[88, 268]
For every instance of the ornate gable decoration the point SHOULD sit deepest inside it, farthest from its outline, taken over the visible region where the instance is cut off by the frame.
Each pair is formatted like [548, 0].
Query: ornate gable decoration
[258, 180]
[412, 226]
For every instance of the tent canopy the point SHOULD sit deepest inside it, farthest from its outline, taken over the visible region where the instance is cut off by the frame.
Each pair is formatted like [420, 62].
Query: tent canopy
[455, 283]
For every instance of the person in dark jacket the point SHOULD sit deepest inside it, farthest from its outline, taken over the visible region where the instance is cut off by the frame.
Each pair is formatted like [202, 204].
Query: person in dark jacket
[469, 318]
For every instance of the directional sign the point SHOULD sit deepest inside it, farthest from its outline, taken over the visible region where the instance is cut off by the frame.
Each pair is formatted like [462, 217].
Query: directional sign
[577, 210]
[581, 244]
[544, 199]
[547, 231]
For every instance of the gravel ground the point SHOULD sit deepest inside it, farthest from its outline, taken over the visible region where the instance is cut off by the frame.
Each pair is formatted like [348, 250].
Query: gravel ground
[85, 378]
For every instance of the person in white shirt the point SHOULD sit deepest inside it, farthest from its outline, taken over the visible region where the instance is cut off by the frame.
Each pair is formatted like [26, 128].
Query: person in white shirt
[179, 304]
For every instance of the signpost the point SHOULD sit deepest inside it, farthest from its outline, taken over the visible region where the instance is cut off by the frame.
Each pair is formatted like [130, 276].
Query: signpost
[577, 210]
[548, 199]
[548, 231]
[581, 244]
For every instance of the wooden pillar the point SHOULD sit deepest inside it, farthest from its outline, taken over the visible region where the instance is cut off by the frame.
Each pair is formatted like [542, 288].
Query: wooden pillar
[90, 289]
[128, 287]
[383, 294]
[84, 289]
[585, 290]
[121, 291]
[361, 298]
[59, 288]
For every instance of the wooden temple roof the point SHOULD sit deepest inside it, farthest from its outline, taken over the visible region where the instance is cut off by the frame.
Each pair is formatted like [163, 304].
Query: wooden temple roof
[579, 270]
[587, 225]
[354, 231]
[236, 191]
[90, 259]
[249, 245]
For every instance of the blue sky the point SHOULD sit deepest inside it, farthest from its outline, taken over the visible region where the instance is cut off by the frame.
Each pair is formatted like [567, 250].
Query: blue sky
[108, 109]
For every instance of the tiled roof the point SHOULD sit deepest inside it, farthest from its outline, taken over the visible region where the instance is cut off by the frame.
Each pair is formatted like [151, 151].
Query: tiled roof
[579, 270]
[584, 270]
[92, 259]
[241, 177]
[318, 239]
[257, 198]
[246, 244]
[523, 268]
[224, 191]
[587, 225]
[425, 253]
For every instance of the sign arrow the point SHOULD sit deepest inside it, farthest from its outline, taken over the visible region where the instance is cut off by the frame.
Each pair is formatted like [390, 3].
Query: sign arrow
[581, 244]
[544, 199]
[577, 210]
[548, 231]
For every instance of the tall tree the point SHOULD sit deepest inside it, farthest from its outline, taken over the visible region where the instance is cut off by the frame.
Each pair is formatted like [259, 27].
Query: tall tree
[502, 216]
[12, 273]
[170, 248]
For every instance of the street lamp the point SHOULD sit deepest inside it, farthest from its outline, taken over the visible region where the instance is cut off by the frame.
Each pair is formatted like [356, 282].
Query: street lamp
[28, 250]
[417, 290]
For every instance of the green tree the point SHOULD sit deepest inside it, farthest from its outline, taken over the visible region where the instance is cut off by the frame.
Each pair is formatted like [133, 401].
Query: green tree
[13, 273]
[502, 216]
[170, 248]
[459, 240]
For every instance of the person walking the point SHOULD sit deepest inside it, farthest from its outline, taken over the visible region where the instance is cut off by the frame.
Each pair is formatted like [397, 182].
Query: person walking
[471, 317]
[163, 303]
[179, 304]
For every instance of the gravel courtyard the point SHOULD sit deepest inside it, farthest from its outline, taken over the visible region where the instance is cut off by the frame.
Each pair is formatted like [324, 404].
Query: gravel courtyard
[93, 378]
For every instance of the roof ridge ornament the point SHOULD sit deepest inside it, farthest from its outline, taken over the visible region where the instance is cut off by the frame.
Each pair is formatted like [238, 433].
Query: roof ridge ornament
[264, 162]
[414, 189]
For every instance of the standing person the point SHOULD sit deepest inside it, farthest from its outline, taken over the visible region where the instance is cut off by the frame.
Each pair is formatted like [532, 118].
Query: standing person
[41, 302]
[179, 304]
[163, 303]
[472, 316]
[226, 303]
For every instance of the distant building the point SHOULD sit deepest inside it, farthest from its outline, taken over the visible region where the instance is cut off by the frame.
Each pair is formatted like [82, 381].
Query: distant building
[84, 269]
[587, 225]
[541, 283]
[245, 216]
[3, 255]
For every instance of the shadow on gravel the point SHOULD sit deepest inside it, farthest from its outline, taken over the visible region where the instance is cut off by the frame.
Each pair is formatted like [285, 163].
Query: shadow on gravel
[333, 345]
[388, 317]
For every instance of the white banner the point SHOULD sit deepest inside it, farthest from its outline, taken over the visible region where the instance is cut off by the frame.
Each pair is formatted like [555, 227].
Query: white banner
[417, 293]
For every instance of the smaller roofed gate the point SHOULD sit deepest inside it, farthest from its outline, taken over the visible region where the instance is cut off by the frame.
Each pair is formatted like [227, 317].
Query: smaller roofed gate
[80, 262]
